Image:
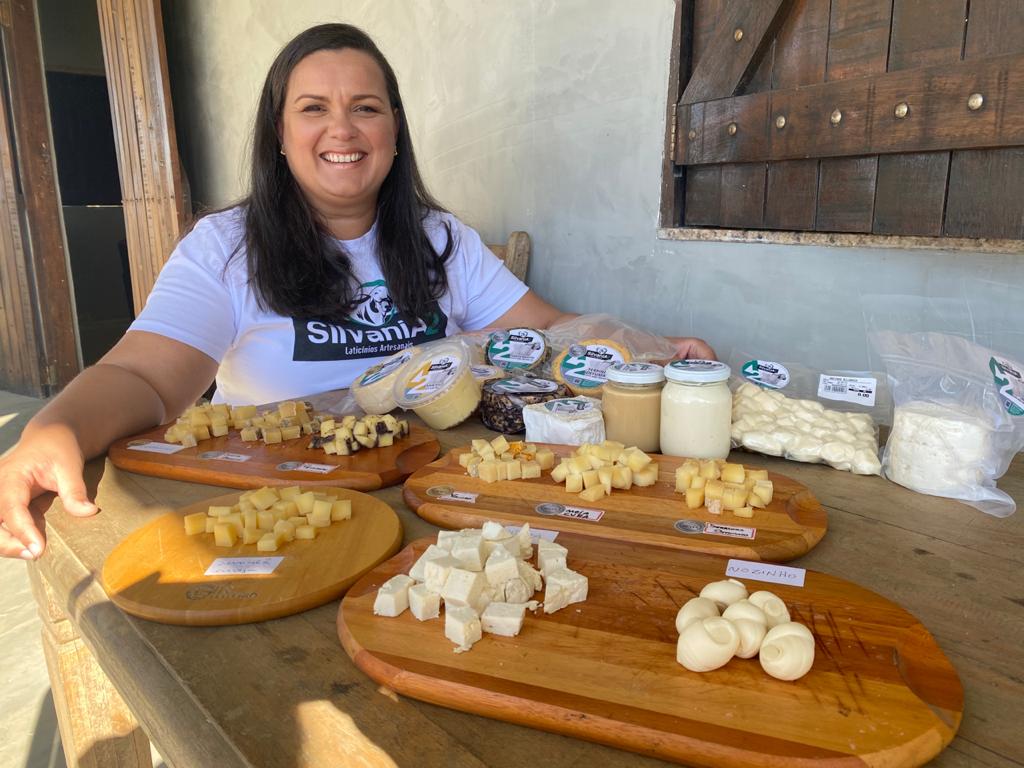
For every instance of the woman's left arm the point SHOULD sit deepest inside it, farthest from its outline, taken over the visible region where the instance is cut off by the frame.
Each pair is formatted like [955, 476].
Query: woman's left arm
[532, 311]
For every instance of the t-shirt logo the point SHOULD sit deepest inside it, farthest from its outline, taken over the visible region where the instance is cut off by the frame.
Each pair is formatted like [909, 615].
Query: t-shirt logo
[375, 328]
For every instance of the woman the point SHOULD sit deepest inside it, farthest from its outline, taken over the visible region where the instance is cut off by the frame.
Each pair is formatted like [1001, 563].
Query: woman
[337, 255]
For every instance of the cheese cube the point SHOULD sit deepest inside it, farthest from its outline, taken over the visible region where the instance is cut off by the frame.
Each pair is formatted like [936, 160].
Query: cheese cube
[514, 469]
[500, 567]
[271, 435]
[423, 603]
[250, 518]
[462, 587]
[530, 575]
[287, 409]
[322, 509]
[284, 529]
[418, 570]
[488, 471]
[549, 554]
[492, 530]
[694, 498]
[499, 444]
[574, 483]
[468, 549]
[508, 542]
[743, 512]
[436, 570]
[525, 541]
[220, 511]
[265, 519]
[269, 542]
[210, 522]
[545, 457]
[530, 470]
[559, 473]
[195, 523]
[505, 619]
[290, 433]
[445, 539]
[251, 535]
[393, 596]
[461, 626]
[219, 430]
[224, 535]
[304, 502]
[593, 494]
[733, 473]
[647, 476]
[263, 498]
[516, 591]
[291, 493]
[564, 587]
[305, 532]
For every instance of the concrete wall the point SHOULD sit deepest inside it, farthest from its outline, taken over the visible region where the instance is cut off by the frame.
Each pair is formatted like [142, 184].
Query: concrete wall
[548, 116]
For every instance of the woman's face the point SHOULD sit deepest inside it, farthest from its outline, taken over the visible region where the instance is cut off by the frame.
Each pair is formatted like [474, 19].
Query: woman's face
[338, 131]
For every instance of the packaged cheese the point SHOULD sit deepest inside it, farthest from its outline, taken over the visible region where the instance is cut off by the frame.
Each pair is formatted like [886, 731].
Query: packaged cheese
[502, 404]
[568, 421]
[517, 349]
[374, 390]
[439, 386]
[583, 366]
[485, 373]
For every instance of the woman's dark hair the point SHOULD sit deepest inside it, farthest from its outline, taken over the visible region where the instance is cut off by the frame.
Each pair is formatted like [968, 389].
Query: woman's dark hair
[296, 268]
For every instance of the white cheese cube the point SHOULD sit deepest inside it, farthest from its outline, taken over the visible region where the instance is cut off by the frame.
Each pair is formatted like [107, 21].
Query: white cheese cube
[393, 596]
[504, 619]
[530, 575]
[493, 530]
[525, 541]
[500, 567]
[487, 596]
[551, 560]
[564, 587]
[468, 549]
[445, 539]
[424, 604]
[517, 591]
[461, 626]
[432, 553]
[462, 587]
[435, 572]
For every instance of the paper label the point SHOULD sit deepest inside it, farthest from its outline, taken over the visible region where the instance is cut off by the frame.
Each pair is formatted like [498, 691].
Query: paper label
[519, 385]
[297, 466]
[776, 574]
[536, 534]
[385, 369]
[516, 348]
[551, 509]
[766, 373]
[732, 531]
[569, 405]
[432, 376]
[224, 456]
[469, 498]
[587, 366]
[1010, 383]
[153, 447]
[849, 389]
[242, 566]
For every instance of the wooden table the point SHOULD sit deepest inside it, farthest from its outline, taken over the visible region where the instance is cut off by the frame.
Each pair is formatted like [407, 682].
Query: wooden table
[284, 694]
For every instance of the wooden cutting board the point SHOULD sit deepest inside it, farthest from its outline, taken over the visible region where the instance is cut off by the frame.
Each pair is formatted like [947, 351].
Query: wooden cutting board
[275, 464]
[157, 572]
[880, 693]
[790, 526]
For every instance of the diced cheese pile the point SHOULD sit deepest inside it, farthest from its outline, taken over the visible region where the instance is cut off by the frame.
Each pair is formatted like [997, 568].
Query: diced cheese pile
[484, 580]
[501, 460]
[269, 517]
[725, 622]
[593, 470]
[347, 435]
[720, 485]
[766, 421]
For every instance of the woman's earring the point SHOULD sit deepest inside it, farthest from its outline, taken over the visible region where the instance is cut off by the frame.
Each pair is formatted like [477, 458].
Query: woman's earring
[282, 150]
[396, 152]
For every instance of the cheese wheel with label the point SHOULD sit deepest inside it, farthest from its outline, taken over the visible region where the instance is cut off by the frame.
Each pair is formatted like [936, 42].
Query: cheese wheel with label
[583, 367]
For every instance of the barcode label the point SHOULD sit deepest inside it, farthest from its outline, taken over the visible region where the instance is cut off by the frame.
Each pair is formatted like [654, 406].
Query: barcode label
[849, 389]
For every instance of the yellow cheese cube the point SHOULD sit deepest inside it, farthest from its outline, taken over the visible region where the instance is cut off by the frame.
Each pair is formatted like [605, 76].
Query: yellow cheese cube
[694, 498]
[605, 475]
[545, 457]
[502, 470]
[698, 482]
[744, 512]
[224, 535]
[297, 520]
[304, 501]
[638, 460]
[734, 496]
[219, 430]
[647, 476]
[465, 458]
[714, 489]
[269, 542]
[250, 434]
[592, 494]
[251, 535]
[591, 478]
[341, 510]
[210, 522]
[327, 427]
[287, 409]
[321, 508]
[622, 477]
[305, 532]
[733, 473]
[531, 469]
[201, 433]
[499, 444]
[488, 471]
[290, 493]
[709, 470]
[220, 511]
[515, 470]
[234, 519]
[250, 519]
[271, 435]
[284, 529]
[574, 483]
[265, 519]
[195, 523]
[385, 439]
[291, 433]
[263, 498]
[758, 474]
[559, 473]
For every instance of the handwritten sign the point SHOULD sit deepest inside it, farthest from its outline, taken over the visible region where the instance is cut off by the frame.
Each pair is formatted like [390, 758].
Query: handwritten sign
[776, 574]
[243, 566]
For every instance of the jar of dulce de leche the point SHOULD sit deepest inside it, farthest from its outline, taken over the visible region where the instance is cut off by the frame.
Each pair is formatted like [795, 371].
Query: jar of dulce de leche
[631, 404]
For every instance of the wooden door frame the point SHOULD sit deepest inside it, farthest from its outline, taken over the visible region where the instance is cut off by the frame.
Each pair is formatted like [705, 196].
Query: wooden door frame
[49, 318]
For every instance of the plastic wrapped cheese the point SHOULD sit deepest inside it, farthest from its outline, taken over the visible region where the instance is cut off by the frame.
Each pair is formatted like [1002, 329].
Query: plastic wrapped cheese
[517, 348]
[374, 389]
[566, 421]
[501, 407]
[439, 386]
[583, 366]
[766, 421]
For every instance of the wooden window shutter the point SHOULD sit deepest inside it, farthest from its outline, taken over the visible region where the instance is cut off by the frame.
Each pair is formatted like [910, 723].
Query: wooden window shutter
[152, 183]
[876, 117]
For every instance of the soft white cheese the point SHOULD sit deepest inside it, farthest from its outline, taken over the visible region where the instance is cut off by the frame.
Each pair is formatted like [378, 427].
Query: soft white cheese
[500, 567]
[393, 596]
[568, 421]
[461, 626]
[564, 587]
[432, 553]
[462, 587]
[436, 572]
[424, 604]
[504, 619]
[468, 549]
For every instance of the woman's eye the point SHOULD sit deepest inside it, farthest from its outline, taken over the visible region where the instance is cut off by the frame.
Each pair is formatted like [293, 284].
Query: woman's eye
[313, 108]
[365, 108]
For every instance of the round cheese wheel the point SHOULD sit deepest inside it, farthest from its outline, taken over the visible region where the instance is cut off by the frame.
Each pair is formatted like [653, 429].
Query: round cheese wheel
[583, 367]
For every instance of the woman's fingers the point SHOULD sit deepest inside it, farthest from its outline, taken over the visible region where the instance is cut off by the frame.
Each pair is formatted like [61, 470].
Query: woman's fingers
[71, 489]
[19, 536]
[693, 348]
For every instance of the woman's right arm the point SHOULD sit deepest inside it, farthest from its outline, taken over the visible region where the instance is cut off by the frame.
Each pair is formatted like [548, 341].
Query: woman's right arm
[144, 380]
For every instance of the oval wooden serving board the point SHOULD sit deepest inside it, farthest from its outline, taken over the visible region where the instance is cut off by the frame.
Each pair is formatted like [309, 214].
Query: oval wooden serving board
[365, 470]
[880, 693]
[789, 527]
[157, 572]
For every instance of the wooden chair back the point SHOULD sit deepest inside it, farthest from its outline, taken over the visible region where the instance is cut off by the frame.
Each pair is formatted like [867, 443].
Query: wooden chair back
[515, 253]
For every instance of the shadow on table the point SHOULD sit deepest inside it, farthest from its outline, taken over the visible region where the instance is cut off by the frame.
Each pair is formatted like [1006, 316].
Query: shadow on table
[46, 750]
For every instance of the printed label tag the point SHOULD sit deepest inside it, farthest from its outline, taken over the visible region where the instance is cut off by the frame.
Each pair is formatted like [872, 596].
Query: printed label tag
[733, 531]
[849, 389]
[153, 447]
[1010, 383]
[239, 566]
[766, 373]
[224, 456]
[551, 509]
[298, 466]
[776, 574]
[536, 534]
[469, 498]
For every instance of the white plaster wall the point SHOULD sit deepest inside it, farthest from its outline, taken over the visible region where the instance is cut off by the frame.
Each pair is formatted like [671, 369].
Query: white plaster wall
[548, 116]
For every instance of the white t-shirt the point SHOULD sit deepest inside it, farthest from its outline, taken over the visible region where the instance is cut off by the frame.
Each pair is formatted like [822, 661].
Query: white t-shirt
[202, 298]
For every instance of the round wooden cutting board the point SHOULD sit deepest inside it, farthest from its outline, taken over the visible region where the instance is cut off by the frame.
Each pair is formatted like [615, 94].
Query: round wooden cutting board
[790, 526]
[254, 464]
[158, 571]
[880, 692]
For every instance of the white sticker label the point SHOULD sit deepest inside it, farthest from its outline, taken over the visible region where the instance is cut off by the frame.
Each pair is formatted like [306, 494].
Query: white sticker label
[536, 534]
[1010, 383]
[849, 389]
[552, 509]
[153, 447]
[318, 469]
[241, 566]
[767, 373]
[469, 498]
[733, 531]
[776, 574]
[224, 456]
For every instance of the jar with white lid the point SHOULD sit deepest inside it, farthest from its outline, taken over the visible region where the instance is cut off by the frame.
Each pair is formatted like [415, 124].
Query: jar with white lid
[631, 403]
[696, 409]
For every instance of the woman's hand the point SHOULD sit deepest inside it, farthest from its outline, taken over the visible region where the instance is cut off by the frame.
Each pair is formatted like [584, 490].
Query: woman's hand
[689, 347]
[47, 459]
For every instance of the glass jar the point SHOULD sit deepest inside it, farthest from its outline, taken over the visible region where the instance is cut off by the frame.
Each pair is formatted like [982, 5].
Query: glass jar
[696, 409]
[631, 404]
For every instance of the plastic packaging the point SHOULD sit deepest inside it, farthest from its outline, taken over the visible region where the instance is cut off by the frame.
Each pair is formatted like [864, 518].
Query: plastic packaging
[439, 386]
[502, 404]
[641, 345]
[512, 349]
[373, 390]
[566, 421]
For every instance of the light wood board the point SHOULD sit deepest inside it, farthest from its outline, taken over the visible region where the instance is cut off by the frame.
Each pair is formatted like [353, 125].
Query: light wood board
[880, 693]
[365, 470]
[790, 526]
[157, 572]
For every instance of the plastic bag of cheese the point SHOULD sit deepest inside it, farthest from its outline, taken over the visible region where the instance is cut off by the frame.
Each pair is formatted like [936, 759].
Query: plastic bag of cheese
[958, 418]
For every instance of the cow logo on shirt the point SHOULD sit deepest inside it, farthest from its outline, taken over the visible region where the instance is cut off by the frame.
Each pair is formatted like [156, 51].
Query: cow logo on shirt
[375, 328]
